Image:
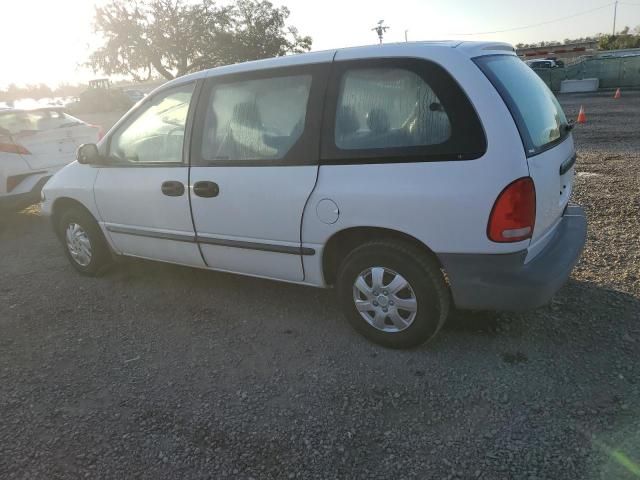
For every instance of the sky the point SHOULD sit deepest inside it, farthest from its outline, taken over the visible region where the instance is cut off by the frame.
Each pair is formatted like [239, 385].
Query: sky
[47, 40]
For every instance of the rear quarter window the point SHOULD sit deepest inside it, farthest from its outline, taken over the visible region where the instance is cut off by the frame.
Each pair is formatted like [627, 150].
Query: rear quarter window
[388, 107]
[535, 109]
[396, 110]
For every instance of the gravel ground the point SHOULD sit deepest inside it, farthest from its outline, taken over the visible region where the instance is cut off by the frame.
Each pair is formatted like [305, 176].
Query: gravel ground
[157, 371]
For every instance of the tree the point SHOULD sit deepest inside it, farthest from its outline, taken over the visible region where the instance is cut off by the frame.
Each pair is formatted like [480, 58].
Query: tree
[554, 43]
[176, 37]
[68, 90]
[35, 91]
[626, 38]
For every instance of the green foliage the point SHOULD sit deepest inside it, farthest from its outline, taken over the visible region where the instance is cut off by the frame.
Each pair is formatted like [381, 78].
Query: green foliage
[626, 38]
[623, 39]
[566, 41]
[101, 100]
[176, 37]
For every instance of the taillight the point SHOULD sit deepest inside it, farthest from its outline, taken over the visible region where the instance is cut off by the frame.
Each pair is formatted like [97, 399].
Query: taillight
[514, 214]
[14, 148]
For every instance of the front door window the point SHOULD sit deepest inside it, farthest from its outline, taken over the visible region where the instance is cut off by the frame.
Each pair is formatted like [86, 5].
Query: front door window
[156, 135]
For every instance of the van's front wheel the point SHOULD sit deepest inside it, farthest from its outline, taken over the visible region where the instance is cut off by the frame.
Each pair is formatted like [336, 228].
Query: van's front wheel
[84, 244]
[393, 293]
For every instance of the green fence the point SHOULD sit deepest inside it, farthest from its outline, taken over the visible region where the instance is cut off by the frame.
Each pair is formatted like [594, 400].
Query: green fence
[613, 72]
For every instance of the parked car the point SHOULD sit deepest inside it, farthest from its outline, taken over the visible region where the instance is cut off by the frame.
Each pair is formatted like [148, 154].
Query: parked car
[134, 95]
[411, 177]
[33, 145]
[542, 63]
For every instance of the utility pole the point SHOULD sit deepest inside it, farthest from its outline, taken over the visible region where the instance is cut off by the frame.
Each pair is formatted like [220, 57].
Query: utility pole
[406, 38]
[615, 14]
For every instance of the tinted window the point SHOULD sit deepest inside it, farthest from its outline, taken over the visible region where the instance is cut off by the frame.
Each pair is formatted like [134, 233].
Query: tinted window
[388, 108]
[540, 64]
[156, 134]
[536, 110]
[398, 110]
[255, 119]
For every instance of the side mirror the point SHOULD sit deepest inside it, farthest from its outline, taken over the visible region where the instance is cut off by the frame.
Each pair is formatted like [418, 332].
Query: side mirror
[88, 154]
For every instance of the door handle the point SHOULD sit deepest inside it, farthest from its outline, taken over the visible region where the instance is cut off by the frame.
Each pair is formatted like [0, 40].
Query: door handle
[206, 189]
[173, 188]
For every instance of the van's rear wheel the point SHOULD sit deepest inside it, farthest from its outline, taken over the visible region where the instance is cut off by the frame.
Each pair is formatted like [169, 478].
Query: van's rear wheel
[83, 242]
[393, 293]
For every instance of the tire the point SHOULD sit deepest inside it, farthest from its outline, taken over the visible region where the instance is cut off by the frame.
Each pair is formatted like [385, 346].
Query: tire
[425, 303]
[88, 234]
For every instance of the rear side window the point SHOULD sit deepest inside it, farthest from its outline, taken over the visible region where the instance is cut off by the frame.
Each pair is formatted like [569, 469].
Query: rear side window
[258, 119]
[535, 109]
[17, 122]
[398, 110]
[386, 108]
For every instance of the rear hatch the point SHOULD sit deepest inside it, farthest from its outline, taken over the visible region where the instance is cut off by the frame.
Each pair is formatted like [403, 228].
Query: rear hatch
[545, 132]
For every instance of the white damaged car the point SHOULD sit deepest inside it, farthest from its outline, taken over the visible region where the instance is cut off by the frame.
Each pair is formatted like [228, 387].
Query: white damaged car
[34, 144]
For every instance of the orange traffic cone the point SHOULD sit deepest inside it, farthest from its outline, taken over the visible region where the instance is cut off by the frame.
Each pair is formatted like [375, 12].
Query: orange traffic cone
[617, 95]
[582, 118]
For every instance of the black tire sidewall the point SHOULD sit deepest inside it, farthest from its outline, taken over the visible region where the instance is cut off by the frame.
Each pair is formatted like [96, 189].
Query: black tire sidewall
[99, 249]
[430, 307]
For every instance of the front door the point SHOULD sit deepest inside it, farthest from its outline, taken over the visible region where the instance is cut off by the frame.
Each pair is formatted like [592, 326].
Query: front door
[254, 164]
[141, 192]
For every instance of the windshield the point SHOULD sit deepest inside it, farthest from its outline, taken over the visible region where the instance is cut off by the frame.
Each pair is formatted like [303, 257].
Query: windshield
[534, 107]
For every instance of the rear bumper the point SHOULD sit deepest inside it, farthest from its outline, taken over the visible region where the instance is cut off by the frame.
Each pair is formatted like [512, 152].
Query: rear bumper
[506, 282]
[22, 200]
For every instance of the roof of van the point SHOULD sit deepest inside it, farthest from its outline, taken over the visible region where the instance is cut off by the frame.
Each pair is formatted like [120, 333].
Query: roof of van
[468, 48]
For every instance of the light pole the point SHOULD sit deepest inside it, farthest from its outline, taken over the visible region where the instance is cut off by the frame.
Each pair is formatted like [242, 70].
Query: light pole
[615, 14]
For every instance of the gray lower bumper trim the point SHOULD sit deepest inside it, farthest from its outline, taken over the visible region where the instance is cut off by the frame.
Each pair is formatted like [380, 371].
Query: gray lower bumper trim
[183, 237]
[140, 232]
[264, 247]
[505, 282]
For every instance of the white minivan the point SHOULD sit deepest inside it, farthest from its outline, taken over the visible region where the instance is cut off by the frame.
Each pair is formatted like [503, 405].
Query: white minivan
[413, 177]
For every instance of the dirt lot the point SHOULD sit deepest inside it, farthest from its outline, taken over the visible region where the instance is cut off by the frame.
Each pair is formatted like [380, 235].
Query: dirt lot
[157, 371]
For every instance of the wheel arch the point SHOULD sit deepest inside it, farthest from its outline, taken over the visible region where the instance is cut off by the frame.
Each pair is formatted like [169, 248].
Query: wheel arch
[342, 242]
[64, 204]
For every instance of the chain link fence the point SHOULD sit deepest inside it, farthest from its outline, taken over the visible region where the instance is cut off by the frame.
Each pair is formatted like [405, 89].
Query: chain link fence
[613, 72]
